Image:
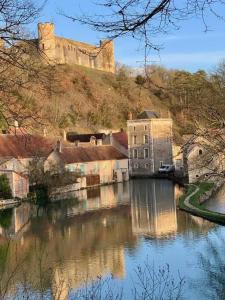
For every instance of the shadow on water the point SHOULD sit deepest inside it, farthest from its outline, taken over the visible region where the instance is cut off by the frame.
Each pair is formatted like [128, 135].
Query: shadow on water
[94, 234]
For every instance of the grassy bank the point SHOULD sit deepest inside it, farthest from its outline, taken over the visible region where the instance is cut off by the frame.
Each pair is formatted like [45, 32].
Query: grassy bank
[195, 207]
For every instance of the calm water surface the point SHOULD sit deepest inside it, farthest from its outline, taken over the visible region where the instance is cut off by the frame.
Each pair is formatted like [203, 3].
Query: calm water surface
[112, 230]
[217, 201]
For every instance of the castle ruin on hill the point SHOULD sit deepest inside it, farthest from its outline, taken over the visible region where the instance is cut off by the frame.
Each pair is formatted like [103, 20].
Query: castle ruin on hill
[59, 50]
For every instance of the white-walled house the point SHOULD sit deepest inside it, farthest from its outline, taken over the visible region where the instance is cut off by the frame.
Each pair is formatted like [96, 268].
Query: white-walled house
[19, 183]
[204, 159]
[105, 161]
[17, 151]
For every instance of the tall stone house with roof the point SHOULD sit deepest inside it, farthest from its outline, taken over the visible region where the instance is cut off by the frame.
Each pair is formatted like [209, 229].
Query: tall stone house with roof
[149, 143]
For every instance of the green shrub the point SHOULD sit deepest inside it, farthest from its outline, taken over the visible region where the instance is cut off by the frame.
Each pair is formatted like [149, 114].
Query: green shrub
[5, 190]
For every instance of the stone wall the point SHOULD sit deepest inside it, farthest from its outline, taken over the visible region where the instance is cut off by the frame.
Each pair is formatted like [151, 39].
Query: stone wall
[58, 50]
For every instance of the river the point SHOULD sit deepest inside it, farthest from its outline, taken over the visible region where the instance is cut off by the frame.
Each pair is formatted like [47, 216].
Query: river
[121, 238]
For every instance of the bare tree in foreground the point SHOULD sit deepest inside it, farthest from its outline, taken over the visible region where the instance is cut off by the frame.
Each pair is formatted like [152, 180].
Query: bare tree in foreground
[37, 276]
[20, 64]
[146, 19]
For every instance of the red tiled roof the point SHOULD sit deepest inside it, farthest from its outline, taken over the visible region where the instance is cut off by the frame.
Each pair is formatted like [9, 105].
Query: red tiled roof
[82, 154]
[17, 131]
[25, 146]
[121, 138]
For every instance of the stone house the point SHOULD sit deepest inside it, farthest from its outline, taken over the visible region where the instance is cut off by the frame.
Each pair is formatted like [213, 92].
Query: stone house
[103, 161]
[19, 183]
[149, 143]
[204, 159]
[18, 151]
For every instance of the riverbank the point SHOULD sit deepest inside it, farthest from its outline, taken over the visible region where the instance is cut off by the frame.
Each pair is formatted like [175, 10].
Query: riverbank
[193, 202]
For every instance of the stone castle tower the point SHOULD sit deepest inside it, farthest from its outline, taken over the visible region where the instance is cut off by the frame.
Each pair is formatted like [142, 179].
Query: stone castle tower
[58, 50]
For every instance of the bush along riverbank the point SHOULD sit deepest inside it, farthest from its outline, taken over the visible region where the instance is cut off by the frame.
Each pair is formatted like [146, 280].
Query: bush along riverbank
[193, 202]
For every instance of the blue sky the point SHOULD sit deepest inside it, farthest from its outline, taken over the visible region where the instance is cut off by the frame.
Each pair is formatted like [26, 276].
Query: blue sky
[189, 48]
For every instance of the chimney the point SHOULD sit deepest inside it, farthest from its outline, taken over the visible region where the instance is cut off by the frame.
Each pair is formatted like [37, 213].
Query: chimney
[16, 124]
[99, 142]
[59, 146]
[64, 135]
[130, 116]
[44, 132]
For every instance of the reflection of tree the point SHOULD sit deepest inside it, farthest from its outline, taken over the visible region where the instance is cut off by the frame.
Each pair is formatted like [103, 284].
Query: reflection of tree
[6, 218]
[212, 263]
[156, 283]
[41, 281]
[192, 226]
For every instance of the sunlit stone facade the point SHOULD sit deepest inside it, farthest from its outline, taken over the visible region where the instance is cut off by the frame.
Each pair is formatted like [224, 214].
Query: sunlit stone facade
[149, 145]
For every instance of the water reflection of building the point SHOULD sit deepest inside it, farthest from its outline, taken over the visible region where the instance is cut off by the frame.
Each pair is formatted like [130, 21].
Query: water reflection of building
[101, 198]
[75, 274]
[153, 208]
[79, 248]
[82, 240]
[16, 221]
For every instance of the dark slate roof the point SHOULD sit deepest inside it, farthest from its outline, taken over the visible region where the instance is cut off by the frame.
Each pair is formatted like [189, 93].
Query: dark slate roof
[87, 154]
[148, 114]
[84, 138]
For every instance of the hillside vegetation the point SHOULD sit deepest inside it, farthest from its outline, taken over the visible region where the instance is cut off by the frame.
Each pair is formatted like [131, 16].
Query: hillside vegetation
[84, 99]
[75, 98]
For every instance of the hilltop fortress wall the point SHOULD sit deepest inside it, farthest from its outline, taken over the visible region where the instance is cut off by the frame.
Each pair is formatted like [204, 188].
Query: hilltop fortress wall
[58, 50]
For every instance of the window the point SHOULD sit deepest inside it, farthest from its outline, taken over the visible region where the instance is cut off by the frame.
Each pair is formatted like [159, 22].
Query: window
[134, 128]
[134, 139]
[200, 152]
[146, 153]
[135, 153]
[43, 46]
[145, 139]
[145, 127]
[136, 166]
[146, 166]
[161, 163]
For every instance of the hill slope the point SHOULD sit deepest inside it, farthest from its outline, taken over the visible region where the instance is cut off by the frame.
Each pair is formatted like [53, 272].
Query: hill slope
[85, 100]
